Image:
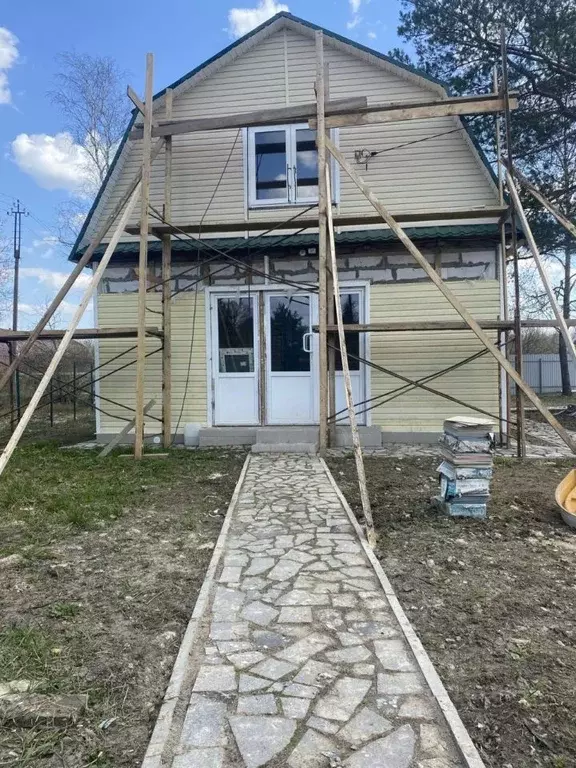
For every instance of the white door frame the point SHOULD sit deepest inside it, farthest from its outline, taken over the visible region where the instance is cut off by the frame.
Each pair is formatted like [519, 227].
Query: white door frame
[244, 290]
[246, 381]
[304, 382]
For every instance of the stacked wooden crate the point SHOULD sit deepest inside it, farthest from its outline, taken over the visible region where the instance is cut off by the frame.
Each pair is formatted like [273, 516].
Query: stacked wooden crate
[466, 470]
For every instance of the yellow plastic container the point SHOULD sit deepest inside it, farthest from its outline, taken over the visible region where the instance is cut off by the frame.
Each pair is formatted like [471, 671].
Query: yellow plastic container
[566, 498]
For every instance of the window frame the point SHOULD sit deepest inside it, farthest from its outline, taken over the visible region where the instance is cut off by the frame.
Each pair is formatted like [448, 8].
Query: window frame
[290, 199]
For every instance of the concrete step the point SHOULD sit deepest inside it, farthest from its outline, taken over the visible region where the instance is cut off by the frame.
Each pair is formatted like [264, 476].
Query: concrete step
[270, 435]
[310, 448]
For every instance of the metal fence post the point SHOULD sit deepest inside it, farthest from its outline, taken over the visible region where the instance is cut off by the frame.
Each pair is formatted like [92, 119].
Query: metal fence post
[540, 390]
[74, 390]
[92, 391]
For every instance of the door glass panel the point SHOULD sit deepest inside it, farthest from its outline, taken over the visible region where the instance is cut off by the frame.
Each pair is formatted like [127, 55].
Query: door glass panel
[350, 303]
[270, 158]
[289, 321]
[306, 164]
[235, 335]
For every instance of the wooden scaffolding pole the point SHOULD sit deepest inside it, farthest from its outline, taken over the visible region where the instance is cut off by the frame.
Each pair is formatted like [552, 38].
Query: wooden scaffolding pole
[322, 259]
[296, 113]
[560, 218]
[68, 336]
[503, 338]
[330, 317]
[119, 436]
[541, 271]
[359, 459]
[143, 259]
[449, 295]
[167, 288]
[376, 114]
[395, 326]
[518, 354]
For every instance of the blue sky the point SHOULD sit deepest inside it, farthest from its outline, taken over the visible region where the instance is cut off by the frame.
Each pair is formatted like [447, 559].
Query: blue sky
[180, 33]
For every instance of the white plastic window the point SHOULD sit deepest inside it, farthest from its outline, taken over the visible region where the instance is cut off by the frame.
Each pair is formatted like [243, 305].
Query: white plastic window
[282, 165]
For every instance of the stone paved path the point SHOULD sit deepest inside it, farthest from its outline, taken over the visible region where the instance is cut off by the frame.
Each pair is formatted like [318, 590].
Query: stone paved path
[303, 663]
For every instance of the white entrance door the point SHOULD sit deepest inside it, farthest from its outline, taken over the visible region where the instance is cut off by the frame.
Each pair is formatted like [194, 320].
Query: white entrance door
[290, 378]
[235, 359]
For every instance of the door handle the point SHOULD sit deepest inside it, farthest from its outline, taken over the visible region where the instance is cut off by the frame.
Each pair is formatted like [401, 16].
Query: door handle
[307, 342]
[289, 189]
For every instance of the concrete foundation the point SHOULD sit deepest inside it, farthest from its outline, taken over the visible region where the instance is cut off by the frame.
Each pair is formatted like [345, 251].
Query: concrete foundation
[213, 437]
[423, 438]
[370, 437]
[264, 438]
[223, 436]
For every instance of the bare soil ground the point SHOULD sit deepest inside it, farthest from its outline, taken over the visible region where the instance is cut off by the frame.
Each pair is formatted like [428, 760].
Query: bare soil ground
[493, 601]
[114, 554]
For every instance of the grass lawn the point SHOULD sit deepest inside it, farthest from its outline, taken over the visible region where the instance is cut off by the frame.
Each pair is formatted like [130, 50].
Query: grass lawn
[114, 553]
[492, 601]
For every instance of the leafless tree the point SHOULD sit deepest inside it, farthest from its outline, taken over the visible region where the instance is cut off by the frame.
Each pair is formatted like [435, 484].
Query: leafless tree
[539, 341]
[89, 92]
[554, 176]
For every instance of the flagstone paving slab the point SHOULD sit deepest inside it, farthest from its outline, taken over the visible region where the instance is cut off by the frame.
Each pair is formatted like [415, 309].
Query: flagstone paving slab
[301, 661]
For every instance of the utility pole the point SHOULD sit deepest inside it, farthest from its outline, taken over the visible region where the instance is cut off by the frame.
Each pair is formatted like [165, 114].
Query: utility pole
[16, 212]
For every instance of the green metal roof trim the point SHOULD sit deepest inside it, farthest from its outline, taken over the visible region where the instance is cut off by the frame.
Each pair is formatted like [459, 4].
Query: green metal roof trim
[74, 254]
[356, 237]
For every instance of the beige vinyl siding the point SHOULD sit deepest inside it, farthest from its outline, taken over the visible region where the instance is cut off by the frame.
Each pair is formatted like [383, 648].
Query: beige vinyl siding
[416, 355]
[442, 174]
[121, 310]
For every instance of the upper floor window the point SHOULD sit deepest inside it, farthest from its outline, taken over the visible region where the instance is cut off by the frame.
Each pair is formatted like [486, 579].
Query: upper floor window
[282, 165]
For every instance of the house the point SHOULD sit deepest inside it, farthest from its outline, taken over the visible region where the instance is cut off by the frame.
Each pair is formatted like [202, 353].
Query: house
[245, 260]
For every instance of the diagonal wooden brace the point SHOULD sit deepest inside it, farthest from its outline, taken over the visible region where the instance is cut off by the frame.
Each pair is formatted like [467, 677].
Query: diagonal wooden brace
[449, 295]
[519, 208]
[85, 261]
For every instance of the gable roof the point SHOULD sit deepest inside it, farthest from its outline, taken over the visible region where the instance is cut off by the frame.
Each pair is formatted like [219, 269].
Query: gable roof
[237, 48]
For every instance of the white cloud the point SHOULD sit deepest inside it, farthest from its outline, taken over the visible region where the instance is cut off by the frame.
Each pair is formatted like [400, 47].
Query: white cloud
[8, 57]
[46, 240]
[243, 20]
[54, 162]
[44, 247]
[354, 9]
[372, 35]
[52, 278]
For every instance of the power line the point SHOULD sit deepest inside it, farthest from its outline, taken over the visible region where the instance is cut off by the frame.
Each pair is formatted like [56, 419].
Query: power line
[387, 397]
[189, 369]
[226, 255]
[426, 388]
[46, 403]
[246, 243]
[415, 141]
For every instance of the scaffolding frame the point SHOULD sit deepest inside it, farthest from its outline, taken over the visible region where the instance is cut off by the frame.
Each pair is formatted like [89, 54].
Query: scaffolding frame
[322, 115]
